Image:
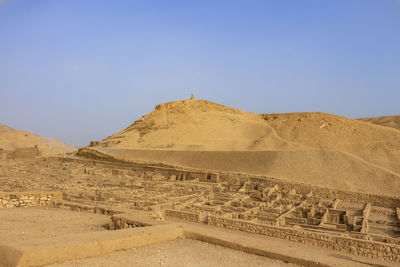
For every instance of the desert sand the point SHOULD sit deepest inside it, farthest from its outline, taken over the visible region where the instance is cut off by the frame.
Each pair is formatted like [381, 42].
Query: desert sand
[387, 121]
[179, 253]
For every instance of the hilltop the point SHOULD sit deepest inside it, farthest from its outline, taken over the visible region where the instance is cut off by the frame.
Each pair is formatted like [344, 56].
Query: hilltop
[197, 125]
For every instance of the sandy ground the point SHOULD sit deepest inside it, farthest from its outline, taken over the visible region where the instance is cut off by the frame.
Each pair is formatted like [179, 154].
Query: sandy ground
[34, 223]
[387, 121]
[178, 253]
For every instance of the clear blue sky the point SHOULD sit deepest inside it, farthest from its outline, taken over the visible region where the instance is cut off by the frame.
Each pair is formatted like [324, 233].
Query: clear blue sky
[81, 70]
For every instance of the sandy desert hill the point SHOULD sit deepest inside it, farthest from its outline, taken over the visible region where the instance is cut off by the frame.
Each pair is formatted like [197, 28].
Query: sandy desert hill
[388, 121]
[10, 139]
[313, 148]
[198, 125]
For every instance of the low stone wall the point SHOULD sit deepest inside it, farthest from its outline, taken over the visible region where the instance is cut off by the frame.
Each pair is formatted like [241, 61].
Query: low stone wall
[371, 249]
[28, 199]
[26, 152]
[116, 223]
[124, 223]
[85, 208]
[184, 215]
[384, 211]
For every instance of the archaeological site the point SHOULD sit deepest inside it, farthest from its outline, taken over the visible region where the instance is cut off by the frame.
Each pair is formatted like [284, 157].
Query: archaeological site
[195, 183]
[199, 133]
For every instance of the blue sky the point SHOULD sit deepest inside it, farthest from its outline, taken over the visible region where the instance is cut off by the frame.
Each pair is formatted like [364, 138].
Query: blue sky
[82, 70]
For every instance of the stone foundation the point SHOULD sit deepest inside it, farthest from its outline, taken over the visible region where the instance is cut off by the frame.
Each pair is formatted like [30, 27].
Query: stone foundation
[367, 248]
[28, 199]
[183, 215]
[124, 223]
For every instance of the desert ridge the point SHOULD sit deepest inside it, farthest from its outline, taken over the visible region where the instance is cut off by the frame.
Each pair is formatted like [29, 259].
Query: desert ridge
[11, 139]
[387, 121]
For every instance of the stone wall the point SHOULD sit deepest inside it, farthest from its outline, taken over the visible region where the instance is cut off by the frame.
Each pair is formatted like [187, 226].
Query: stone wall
[210, 177]
[367, 248]
[6, 154]
[26, 152]
[84, 208]
[124, 223]
[184, 215]
[28, 199]
[20, 153]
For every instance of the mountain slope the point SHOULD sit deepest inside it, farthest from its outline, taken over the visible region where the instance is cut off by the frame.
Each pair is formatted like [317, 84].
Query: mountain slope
[388, 121]
[375, 144]
[198, 125]
[10, 139]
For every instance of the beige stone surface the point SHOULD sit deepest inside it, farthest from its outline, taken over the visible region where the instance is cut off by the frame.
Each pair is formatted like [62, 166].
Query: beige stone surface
[179, 253]
[18, 224]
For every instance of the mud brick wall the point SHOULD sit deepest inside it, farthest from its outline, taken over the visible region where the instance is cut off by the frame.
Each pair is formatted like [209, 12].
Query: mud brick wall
[6, 154]
[26, 152]
[28, 199]
[184, 215]
[371, 249]
[3, 154]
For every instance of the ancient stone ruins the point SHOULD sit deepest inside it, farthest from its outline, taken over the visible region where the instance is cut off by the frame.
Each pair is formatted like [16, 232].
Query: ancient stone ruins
[156, 197]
